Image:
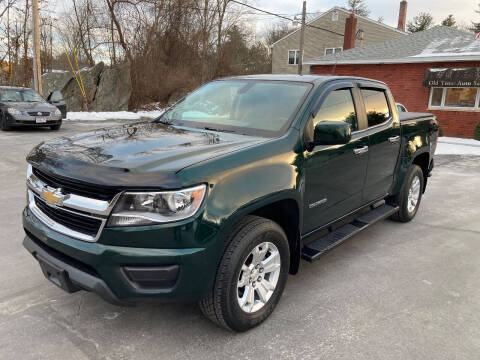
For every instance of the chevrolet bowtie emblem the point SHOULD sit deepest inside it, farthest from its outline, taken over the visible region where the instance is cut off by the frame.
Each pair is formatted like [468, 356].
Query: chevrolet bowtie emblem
[54, 197]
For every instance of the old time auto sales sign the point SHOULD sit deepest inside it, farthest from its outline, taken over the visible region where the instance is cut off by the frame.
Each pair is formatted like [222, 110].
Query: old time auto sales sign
[452, 77]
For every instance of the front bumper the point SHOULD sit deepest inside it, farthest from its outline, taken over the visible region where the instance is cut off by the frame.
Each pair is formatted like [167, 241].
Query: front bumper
[30, 121]
[122, 274]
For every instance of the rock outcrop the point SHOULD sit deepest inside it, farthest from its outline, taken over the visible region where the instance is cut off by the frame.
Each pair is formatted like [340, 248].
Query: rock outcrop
[106, 88]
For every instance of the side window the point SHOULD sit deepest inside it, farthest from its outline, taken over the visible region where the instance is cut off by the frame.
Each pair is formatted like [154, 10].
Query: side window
[338, 106]
[376, 106]
[56, 96]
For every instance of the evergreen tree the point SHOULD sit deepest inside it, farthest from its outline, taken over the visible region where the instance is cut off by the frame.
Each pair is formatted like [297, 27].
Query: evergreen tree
[421, 22]
[476, 25]
[450, 21]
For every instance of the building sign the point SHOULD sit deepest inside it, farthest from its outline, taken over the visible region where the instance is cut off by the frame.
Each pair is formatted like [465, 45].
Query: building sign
[452, 77]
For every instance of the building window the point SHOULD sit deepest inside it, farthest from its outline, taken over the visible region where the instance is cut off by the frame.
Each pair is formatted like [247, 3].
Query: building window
[329, 51]
[453, 98]
[335, 16]
[293, 57]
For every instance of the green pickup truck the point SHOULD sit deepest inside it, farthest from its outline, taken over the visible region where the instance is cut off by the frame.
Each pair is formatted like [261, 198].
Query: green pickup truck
[220, 198]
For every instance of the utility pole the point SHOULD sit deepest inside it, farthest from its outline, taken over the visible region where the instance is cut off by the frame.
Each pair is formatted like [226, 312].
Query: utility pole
[37, 65]
[51, 45]
[302, 38]
[9, 46]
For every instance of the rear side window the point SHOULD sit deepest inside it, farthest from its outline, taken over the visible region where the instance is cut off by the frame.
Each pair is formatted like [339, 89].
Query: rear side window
[338, 106]
[376, 106]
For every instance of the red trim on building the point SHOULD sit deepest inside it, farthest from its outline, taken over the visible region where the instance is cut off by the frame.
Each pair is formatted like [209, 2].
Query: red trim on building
[405, 82]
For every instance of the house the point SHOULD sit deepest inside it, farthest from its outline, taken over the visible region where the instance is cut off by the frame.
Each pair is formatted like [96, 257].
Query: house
[318, 42]
[437, 70]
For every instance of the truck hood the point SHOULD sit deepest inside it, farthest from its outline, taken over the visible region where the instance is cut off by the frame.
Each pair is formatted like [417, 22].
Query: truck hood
[136, 155]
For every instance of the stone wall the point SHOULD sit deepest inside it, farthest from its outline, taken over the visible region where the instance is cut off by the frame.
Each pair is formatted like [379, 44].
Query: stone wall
[107, 88]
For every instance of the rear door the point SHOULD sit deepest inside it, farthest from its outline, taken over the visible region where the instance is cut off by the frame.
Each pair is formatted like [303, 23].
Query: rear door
[383, 129]
[335, 174]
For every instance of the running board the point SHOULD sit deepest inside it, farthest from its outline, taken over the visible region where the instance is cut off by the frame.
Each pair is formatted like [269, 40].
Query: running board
[315, 249]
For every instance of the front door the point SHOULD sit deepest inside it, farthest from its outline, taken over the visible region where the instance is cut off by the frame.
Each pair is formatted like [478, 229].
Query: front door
[335, 174]
[384, 142]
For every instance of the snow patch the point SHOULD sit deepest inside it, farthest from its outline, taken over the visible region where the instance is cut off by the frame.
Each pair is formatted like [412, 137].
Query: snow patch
[460, 45]
[113, 115]
[457, 146]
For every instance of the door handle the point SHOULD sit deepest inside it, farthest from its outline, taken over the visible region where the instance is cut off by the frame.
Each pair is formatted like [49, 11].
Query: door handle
[394, 139]
[361, 150]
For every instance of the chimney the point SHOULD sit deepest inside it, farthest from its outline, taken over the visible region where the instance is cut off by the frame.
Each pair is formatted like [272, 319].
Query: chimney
[402, 16]
[350, 32]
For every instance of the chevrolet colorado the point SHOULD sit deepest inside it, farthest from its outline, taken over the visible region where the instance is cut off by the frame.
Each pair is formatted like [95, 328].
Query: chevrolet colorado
[219, 199]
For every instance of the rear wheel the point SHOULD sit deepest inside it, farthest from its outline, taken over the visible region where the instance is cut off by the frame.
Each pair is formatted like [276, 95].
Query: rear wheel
[251, 276]
[410, 195]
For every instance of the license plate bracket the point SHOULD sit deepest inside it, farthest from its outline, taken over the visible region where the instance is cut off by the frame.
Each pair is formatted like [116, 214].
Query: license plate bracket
[57, 275]
[40, 120]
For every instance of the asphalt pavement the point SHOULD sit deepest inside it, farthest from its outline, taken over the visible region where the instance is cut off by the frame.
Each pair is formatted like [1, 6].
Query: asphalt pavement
[395, 291]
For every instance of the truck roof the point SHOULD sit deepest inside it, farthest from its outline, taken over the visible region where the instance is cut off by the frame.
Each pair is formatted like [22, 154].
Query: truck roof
[314, 79]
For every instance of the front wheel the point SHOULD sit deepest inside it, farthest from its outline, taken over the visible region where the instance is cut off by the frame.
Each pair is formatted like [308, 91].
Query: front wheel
[55, 127]
[410, 195]
[4, 123]
[251, 276]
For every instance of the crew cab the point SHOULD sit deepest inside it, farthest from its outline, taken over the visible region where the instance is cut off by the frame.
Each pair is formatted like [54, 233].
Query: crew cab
[220, 198]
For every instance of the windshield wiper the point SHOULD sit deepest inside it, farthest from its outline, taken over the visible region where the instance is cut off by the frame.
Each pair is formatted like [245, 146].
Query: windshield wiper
[219, 130]
[164, 121]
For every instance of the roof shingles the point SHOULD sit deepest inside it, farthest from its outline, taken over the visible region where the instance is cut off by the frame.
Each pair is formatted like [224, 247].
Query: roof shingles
[439, 43]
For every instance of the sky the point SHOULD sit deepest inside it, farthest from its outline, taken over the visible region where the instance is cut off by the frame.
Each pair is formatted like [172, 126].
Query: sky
[463, 10]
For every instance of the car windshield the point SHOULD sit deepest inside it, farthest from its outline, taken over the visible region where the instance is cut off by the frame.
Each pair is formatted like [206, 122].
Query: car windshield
[253, 107]
[20, 95]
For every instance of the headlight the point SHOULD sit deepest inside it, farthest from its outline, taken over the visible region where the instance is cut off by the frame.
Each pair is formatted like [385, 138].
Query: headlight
[147, 208]
[13, 111]
[57, 112]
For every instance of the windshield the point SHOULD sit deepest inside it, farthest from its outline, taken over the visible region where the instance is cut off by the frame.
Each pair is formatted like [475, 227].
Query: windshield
[20, 95]
[263, 108]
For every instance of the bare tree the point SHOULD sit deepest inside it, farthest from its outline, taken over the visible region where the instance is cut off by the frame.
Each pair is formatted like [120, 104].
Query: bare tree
[112, 4]
[277, 31]
[358, 7]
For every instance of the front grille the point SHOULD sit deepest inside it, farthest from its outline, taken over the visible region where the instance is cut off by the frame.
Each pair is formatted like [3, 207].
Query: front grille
[74, 221]
[37, 113]
[76, 187]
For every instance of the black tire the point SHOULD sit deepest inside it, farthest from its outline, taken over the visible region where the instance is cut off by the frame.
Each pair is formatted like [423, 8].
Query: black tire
[221, 305]
[3, 123]
[404, 215]
[56, 127]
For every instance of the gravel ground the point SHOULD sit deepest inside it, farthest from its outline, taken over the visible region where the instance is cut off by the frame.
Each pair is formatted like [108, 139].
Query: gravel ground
[395, 291]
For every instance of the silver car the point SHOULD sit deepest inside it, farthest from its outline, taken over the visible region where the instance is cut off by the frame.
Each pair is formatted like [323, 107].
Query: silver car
[21, 106]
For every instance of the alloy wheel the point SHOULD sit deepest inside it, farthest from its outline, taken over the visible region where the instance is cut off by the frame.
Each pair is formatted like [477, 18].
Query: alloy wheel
[258, 277]
[413, 194]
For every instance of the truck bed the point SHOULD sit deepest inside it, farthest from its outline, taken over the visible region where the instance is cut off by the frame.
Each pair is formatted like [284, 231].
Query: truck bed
[409, 116]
